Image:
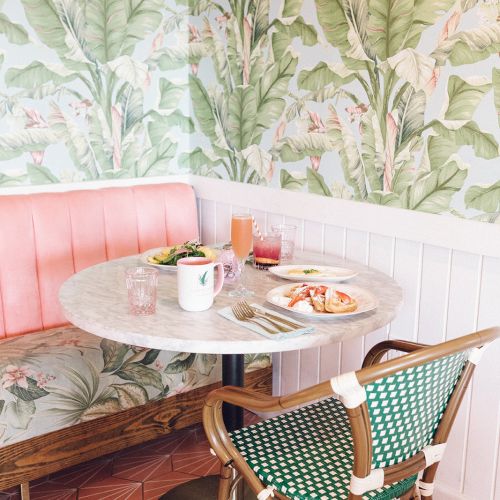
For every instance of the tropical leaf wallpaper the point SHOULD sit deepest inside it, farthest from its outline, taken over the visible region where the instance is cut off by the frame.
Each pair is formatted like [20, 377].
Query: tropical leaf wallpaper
[393, 102]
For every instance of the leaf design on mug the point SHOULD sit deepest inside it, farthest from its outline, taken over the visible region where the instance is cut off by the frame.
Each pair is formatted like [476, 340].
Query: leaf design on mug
[203, 278]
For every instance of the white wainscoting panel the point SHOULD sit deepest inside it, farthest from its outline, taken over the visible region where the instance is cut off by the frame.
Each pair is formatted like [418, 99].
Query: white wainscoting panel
[448, 292]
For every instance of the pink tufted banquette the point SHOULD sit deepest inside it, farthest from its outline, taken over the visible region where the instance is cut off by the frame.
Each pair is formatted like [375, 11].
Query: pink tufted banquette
[44, 239]
[47, 237]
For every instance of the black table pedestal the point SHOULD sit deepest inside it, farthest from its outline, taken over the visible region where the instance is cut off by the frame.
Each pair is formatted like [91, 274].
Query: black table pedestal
[205, 488]
[233, 373]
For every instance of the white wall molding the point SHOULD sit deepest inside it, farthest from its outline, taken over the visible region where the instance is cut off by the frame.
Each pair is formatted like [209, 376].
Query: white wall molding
[439, 230]
[447, 292]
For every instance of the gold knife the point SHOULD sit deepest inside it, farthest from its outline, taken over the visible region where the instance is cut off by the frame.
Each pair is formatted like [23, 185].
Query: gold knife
[277, 318]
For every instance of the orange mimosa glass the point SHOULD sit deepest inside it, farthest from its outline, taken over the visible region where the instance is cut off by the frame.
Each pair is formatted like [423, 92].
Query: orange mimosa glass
[241, 240]
[241, 235]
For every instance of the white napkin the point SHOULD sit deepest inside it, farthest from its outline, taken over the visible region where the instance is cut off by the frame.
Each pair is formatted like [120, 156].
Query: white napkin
[227, 313]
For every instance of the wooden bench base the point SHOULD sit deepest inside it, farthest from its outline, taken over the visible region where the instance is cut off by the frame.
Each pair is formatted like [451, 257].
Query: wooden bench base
[42, 455]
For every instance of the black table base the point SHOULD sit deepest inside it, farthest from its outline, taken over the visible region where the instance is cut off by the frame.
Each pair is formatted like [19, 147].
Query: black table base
[205, 488]
[233, 373]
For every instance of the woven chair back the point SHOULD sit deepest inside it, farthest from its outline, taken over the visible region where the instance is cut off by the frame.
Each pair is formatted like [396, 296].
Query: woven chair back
[406, 407]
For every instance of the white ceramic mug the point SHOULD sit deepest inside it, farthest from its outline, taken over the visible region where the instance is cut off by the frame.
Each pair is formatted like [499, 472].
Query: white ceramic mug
[195, 282]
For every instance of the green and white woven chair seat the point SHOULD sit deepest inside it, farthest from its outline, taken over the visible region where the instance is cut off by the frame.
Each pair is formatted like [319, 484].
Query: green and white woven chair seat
[307, 454]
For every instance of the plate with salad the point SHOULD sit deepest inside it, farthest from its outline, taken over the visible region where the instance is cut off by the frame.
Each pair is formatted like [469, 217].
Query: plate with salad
[313, 272]
[167, 257]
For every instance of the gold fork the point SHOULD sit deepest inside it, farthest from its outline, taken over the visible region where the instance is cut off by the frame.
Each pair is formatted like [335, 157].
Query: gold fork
[252, 311]
[241, 316]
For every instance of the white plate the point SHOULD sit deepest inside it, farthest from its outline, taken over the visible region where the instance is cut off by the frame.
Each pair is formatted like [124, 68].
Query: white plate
[365, 299]
[154, 251]
[149, 253]
[327, 273]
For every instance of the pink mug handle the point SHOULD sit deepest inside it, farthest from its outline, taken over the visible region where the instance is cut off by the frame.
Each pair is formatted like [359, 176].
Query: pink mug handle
[220, 278]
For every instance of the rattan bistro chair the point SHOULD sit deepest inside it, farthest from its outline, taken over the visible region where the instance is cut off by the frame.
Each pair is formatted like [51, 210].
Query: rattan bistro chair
[391, 421]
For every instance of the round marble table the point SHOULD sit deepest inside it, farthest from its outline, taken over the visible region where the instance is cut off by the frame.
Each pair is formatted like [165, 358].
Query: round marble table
[95, 300]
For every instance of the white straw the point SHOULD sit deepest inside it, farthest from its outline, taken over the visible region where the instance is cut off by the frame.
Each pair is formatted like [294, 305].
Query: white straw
[257, 230]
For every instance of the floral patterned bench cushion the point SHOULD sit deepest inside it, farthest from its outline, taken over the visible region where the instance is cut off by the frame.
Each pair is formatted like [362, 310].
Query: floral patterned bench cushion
[59, 377]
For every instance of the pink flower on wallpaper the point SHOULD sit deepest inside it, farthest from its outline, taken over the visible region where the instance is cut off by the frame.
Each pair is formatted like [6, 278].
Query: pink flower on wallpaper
[430, 86]
[80, 107]
[316, 123]
[222, 21]
[194, 34]
[450, 27]
[270, 171]
[157, 42]
[15, 375]
[279, 132]
[315, 161]
[356, 112]
[37, 157]
[34, 119]
[194, 37]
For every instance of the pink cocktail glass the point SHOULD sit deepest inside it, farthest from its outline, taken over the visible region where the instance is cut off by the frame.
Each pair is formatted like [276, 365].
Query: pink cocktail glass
[266, 251]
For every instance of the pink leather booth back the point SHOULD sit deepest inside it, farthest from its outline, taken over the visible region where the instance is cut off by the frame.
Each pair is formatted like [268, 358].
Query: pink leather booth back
[47, 237]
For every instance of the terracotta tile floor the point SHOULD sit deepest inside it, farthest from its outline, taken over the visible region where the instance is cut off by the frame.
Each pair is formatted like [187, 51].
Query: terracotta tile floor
[142, 472]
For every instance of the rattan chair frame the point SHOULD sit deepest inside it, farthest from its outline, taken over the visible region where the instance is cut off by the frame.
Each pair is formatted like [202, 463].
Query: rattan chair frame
[372, 369]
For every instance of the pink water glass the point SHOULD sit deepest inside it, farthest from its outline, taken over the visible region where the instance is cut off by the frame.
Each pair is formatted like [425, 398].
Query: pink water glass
[142, 283]
[266, 250]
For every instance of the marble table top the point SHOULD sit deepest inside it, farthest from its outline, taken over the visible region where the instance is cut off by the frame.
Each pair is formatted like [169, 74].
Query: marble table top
[95, 300]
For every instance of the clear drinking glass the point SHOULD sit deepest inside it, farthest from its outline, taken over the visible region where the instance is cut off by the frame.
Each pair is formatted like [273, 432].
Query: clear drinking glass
[141, 284]
[241, 239]
[287, 232]
[266, 250]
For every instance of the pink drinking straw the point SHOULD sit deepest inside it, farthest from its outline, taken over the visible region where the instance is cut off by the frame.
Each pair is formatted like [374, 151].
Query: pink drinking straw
[257, 230]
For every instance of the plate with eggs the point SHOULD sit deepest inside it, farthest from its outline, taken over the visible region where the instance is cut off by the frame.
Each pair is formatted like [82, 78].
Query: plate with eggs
[313, 272]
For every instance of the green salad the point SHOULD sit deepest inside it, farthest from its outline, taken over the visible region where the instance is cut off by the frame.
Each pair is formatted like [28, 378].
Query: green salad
[169, 256]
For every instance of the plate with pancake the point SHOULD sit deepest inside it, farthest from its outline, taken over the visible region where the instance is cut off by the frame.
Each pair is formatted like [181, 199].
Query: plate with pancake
[323, 300]
[313, 272]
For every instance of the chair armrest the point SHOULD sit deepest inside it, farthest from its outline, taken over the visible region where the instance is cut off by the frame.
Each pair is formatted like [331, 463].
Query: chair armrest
[377, 352]
[244, 398]
[260, 402]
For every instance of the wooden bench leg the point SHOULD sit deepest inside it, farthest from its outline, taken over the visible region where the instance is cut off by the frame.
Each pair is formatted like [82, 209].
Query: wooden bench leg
[25, 491]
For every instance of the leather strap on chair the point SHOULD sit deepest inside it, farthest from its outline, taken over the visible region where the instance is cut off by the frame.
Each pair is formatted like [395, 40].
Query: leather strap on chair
[374, 480]
[347, 387]
[434, 453]
[266, 493]
[425, 489]
[476, 353]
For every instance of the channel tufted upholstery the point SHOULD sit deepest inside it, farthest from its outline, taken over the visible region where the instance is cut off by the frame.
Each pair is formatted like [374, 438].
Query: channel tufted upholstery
[67, 396]
[47, 237]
